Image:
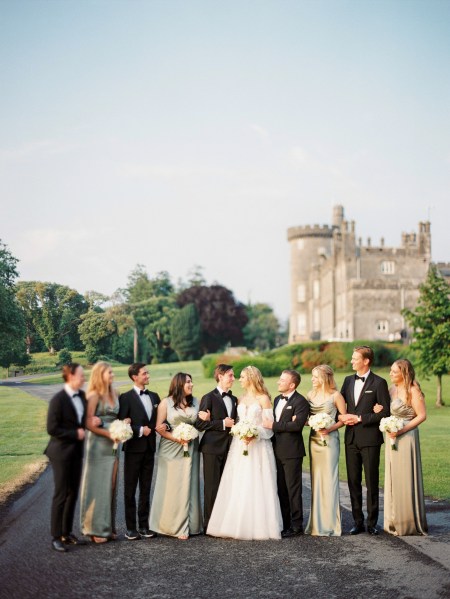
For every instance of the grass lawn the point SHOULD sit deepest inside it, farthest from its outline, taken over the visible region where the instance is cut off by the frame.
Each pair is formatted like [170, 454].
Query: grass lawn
[23, 437]
[22, 429]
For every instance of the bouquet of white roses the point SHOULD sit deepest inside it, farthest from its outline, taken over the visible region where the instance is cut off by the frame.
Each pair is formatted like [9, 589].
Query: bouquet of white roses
[319, 421]
[119, 432]
[245, 430]
[185, 432]
[391, 424]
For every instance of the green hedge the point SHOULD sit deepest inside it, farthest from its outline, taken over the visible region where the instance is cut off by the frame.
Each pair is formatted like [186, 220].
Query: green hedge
[305, 356]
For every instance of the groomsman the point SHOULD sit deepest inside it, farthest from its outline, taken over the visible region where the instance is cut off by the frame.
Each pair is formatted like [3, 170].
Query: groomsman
[291, 411]
[220, 405]
[140, 405]
[65, 425]
[363, 438]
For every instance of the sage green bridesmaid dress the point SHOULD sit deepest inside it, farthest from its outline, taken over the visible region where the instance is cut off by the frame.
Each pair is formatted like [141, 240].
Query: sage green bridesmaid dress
[404, 503]
[325, 515]
[98, 499]
[176, 508]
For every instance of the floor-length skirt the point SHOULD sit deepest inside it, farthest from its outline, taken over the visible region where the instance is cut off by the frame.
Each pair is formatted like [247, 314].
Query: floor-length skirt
[325, 514]
[404, 503]
[176, 507]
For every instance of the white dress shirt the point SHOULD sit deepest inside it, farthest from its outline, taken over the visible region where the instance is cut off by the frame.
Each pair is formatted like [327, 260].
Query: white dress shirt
[280, 405]
[76, 401]
[359, 386]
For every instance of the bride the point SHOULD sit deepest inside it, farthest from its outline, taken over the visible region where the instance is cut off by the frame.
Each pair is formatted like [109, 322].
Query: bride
[247, 505]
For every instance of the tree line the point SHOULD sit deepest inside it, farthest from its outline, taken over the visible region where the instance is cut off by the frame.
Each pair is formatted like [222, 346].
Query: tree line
[151, 319]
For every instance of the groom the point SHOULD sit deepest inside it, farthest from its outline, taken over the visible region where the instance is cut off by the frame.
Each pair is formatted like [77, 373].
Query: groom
[290, 414]
[221, 406]
[140, 405]
[363, 438]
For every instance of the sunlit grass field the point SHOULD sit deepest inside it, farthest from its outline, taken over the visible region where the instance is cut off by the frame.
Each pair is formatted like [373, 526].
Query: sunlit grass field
[23, 437]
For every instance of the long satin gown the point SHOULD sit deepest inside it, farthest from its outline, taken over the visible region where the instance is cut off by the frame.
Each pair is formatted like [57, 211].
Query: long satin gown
[98, 499]
[176, 508]
[247, 505]
[404, 503]
[325, 515]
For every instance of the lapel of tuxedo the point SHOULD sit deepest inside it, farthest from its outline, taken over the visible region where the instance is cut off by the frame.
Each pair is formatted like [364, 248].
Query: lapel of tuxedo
[140, 405]
[367, 383]
[71, 408]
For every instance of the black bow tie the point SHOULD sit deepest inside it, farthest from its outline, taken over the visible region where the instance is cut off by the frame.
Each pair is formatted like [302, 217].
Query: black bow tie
[283, 397]
[225, 393]
[360, 378]
[144, 392]
[76, 395]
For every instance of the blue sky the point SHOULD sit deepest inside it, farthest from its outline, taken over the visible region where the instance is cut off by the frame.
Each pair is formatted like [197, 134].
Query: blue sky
[181, 133]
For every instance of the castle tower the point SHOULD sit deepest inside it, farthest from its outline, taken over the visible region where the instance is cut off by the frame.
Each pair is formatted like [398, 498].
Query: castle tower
[308, 245]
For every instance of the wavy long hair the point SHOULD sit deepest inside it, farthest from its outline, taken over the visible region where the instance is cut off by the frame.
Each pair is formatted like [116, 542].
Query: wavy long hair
[325, 375]
[176, 390]
[409, 377]
[257, 384]
[98, 385]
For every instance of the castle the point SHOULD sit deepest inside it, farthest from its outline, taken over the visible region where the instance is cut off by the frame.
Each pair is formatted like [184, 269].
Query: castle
[344, 290]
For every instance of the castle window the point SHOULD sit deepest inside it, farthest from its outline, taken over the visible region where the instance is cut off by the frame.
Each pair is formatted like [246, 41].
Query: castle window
[382, 326]
[301, 323]
[387, 267]
[316, 289]
[301, 293]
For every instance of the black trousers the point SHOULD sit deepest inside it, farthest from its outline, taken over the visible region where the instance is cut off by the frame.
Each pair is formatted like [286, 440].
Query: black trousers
[138, 469]
[289, 483]
[356, 459]
[67, 475]
[213, 465]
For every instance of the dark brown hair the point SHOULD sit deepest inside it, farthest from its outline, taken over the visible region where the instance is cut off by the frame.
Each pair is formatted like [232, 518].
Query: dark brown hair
[176, 390]
[221, 369]
[134, 369]
[295, 376]
[69, 369]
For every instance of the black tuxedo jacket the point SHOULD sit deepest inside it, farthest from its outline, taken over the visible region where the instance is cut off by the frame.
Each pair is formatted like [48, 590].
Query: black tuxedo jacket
[287, 438]
[62, 425]
[216, 439]
[375, 390]
[132, 407]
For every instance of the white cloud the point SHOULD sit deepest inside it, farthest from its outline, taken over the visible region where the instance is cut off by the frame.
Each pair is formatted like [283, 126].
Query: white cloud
[262, 133]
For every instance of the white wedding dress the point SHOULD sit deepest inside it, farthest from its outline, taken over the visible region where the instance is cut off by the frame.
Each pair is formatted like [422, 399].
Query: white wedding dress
[247, 505]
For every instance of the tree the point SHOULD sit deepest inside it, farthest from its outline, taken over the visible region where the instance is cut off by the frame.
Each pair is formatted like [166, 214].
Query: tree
[95, 330]
[152, 304]
[12, 326]
[186, 333]
[222, 318]
[262, 329]
[52, 312]
[431, 323]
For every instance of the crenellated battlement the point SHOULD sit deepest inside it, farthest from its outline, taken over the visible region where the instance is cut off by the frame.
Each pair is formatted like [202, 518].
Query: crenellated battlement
[310, 231]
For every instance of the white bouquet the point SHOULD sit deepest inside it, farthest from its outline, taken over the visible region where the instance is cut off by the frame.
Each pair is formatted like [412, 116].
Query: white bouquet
[319, 421]
[245, 430]
[119, 432]
[391, 424]
[185, 432]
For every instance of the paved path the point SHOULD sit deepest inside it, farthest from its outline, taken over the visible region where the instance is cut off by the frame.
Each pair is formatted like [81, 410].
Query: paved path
[384, 567]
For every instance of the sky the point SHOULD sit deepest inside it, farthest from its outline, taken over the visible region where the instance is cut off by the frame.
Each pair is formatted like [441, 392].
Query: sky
[183, 133]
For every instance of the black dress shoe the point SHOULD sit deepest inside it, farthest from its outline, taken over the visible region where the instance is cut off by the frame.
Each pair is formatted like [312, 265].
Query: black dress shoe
[72, 540]
[132, 535]
[372, 530]
[292, 532]
[58, 545]
[357, 529]
[146, 533]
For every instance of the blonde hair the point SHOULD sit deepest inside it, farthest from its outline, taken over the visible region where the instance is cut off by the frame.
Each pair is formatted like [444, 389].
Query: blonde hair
[325, 375]
[409, 378]
[256, 380]
[97, 382]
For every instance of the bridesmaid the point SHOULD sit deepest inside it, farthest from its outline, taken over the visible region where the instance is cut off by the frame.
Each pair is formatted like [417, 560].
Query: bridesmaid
[99, 482]
[404, 503]
[176, 509]
[325, 515]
